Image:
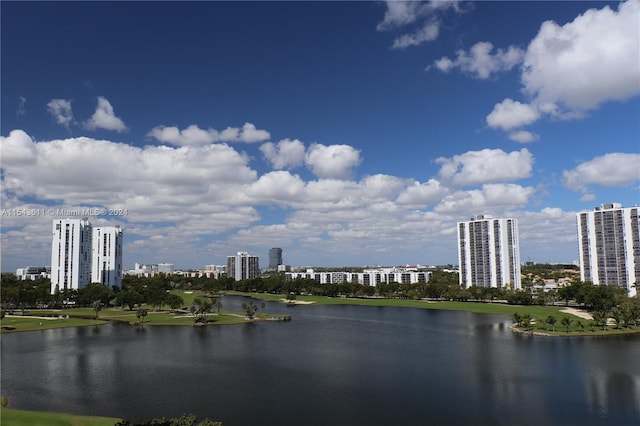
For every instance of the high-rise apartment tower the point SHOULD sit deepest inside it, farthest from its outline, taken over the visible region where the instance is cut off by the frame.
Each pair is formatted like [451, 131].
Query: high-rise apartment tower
[106, 258]
[489, 252]
[243, 266]
[609, 246]
[70, 254]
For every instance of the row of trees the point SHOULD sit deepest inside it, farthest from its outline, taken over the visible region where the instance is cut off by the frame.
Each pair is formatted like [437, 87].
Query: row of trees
[154, 291]
[625, 315]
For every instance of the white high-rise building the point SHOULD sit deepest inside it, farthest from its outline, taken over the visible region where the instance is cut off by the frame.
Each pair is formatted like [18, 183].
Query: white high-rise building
[70, 254]
[243, 266]
[106, 258]
[609, 246]
[489, 252]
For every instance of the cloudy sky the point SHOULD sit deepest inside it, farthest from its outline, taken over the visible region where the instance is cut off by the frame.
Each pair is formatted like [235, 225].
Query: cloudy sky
[353, 133]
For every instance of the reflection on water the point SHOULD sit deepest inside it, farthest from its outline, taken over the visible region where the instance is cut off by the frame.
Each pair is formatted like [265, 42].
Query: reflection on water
[339, 365]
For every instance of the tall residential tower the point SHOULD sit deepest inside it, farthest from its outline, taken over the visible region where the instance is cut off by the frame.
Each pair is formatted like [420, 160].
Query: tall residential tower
[609, 246]
[242, 266]
[489, 252]
[106, 259]
[70, 254]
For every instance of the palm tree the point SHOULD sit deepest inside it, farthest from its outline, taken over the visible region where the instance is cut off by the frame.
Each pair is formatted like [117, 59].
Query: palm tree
[566, 321]
[617, 315]
[516, 318]
[205, 308]
[552, 320]
[525, 321]
[580, 326]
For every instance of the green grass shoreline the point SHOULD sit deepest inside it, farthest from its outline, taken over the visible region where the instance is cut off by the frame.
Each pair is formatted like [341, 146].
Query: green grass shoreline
[79, 317]
[13, 417]
[537, 312]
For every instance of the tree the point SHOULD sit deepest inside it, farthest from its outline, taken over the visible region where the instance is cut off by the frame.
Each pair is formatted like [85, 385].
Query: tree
[129, 298]
[92, 292]
[566, 321]
[516, 318]
[525, 321]
[173, 301]
[580, 326]
[96, 305]
[600, 319]
[205, 308]
[552, 321]
[616, 314]
[184, 420]
[141, 314]
[250, 308]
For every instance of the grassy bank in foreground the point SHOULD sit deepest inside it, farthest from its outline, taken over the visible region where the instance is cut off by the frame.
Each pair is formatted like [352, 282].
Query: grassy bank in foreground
[12, 417]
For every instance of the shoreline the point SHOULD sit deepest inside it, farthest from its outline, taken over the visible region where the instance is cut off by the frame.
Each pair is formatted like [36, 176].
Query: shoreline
[38, 322]
[538, 313]
[601, 333]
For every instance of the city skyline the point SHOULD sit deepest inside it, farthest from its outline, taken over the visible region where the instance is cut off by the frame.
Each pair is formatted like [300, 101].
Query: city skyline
[348, 134]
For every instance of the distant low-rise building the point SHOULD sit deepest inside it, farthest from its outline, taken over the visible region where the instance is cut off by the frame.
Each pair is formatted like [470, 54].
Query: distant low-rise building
[368, 277]
[166, 268]
[33, 273]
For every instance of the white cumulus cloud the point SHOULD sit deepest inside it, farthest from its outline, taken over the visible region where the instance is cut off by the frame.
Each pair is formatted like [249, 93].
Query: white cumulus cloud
[510, 114]
[61, 111]
[285, 154]
[496, 197]
[332, 161]
[153, 179]
[523, 136]
[194, 135]
[480, 62]
[591, 60]
[420, 195]
[426, 17]
[485, 166]
[105, 118]
[609, 170]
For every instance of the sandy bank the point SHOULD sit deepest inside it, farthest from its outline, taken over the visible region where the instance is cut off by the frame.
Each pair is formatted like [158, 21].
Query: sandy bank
[577, 312]
[296, 302]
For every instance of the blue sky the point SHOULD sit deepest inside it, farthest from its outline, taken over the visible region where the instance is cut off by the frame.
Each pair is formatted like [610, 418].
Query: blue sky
[347, 133]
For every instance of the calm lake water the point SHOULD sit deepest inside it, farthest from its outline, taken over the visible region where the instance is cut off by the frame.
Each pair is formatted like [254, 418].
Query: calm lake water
[331, 365]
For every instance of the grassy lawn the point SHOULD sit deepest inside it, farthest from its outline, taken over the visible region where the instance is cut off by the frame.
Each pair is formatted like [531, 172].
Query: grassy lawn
[588, 329]
[46, 319]
[476, 307]
[11, 417]
[15, 324]
[538, 313]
